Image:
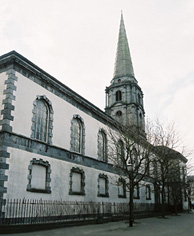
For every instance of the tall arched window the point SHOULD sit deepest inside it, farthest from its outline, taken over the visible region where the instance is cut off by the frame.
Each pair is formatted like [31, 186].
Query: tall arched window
[140, 120]
[42, 119]
[120, 153]
[102, 145]
[118, 95]
[139, 98]
[134, 158]
[77, 134]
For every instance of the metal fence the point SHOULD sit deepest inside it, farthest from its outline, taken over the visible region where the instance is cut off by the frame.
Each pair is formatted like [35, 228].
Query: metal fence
[22, 211]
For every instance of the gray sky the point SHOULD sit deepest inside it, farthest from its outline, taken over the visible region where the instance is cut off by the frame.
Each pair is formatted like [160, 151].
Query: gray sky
[76, 40]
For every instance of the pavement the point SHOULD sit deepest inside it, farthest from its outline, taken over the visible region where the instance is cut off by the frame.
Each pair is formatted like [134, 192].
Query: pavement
[181, 225]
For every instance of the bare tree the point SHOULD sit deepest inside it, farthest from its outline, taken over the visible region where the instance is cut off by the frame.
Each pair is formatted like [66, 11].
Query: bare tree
[177, 186]
[131, 157]
[139, 158]
[165, 140]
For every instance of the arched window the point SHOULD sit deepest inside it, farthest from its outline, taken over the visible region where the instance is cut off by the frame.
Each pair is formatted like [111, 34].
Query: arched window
[119, 113]
[118, 95]
[102, 145]
[134, 159]
[139, 99]
[42, 119]
[148, 192]
[77, 134]
[120, 153]
[140, 120]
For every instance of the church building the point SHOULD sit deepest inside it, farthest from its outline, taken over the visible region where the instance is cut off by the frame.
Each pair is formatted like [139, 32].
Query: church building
[54, 143]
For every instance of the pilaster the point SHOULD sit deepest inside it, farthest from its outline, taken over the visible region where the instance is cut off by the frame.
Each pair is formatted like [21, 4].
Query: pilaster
[6, 112]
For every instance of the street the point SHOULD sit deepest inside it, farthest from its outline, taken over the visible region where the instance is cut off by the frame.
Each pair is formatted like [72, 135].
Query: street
[182, 225]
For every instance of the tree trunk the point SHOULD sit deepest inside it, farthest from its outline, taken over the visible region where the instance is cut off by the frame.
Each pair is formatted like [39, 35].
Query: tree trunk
[131, 206]
[175, 209]
[163, 203]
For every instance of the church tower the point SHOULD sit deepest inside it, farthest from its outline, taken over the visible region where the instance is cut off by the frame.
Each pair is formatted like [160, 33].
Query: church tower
[124, 97]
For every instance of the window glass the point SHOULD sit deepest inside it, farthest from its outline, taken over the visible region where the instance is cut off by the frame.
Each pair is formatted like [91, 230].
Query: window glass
[122, 188]
[148, 192]
[77, 135]
[76, 182]
[118, 95]
[139, 98]
[38, 180]
[119, 113]
[120, 153]
[120, 149]
[41, 121]
[136, 191]
[39, 176]
[102, 149]
[102, 183]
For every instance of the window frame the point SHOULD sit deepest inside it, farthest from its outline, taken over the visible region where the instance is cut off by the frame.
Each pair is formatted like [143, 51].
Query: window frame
[105, 177]
[123, 182]
[148, 192]
[46, 164]
[49, 128]
[136, 196]
[121, 153]
[82, 180]
[82, 135]
[102, 154]
[138, 99]
[118, 96]
[119, 114]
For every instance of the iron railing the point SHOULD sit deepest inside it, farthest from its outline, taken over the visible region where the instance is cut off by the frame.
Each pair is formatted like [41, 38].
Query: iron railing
[22, 211]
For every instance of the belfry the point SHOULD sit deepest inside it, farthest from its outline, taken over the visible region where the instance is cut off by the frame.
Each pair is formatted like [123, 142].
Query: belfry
[124, 97]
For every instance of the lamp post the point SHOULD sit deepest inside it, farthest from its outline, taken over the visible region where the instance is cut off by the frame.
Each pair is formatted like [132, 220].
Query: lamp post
[131, 189]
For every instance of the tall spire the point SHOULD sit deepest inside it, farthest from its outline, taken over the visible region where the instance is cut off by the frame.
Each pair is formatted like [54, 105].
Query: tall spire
[123, 62]
[124, 97]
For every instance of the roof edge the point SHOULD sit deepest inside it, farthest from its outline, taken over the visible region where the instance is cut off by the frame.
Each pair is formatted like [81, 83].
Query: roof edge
[22, 61]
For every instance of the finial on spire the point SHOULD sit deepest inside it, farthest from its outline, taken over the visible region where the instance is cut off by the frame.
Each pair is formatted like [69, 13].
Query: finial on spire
[122, 14]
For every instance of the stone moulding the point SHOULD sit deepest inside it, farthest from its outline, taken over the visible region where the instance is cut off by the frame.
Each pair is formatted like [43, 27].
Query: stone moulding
[46, 164]
[9, 97]
[5, 124]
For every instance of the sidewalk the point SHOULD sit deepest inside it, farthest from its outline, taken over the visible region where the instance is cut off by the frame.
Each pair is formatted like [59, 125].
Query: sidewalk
[182, 225]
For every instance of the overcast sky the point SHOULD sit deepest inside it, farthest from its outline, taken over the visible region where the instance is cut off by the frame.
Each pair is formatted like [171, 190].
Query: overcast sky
[75, 41]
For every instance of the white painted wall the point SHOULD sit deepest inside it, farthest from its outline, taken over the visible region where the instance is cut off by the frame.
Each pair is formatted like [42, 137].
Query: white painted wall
[26, 94]
[19, 160]
[60, 170]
